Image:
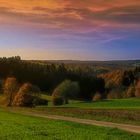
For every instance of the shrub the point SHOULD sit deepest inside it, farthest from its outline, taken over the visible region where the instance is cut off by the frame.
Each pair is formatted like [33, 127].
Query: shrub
[66, 90]
[97, 97]
[57, 101]
[9, 90]
[41, 101]
[27, 96]
[130, 92]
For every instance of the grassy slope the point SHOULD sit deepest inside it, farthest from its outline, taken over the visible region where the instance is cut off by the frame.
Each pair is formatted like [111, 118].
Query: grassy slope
[19, 127]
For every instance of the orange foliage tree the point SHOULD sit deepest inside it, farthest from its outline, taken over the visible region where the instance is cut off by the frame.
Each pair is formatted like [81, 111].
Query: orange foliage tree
[137, 91]
[9, 90]
[27, 96]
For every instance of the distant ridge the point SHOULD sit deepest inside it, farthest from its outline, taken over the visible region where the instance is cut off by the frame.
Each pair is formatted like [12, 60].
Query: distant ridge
[113, 64]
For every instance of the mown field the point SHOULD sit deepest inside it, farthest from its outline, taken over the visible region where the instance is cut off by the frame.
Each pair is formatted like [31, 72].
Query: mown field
[20, 127]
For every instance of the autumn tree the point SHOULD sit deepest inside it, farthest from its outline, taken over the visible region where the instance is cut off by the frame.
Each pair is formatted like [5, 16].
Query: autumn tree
[9, 90]
[130, 92]
[97, 97]
[27, 96]
[137, 91]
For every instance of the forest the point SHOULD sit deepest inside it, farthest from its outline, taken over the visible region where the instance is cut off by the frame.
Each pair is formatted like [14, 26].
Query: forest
[68, 81]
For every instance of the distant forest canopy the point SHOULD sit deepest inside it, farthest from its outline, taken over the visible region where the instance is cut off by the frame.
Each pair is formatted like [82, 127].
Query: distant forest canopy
[48, 76]
[113, 81]
[105, 65]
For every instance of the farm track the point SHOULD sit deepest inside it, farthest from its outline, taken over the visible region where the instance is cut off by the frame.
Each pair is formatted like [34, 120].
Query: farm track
[125, 127]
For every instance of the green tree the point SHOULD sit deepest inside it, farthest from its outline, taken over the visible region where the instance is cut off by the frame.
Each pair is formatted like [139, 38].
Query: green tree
[66, 90]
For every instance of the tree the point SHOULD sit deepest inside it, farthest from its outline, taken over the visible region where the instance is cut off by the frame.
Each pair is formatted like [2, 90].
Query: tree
[137, 91]
[28, 96]
[130, 92]
[1, 86]
[48, 75]
[115, 93]
[97, 97]
[128, 78]
[9, 90]
[66, 90]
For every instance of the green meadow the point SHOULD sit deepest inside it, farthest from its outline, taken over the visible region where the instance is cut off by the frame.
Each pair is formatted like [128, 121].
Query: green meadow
[20, 127]
[130, 103]
[107, 104]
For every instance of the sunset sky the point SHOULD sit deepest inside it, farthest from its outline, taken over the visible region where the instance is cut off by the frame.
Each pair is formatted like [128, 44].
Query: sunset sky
[70, 29]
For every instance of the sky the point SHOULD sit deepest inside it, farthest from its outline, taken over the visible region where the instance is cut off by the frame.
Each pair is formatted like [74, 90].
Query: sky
[70, 29]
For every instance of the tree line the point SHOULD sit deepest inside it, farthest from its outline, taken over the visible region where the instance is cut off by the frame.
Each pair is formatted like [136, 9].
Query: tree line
[122, 83]
[48, 76]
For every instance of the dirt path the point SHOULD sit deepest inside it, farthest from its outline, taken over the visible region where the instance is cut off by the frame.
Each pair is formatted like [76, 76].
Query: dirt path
[126, 127]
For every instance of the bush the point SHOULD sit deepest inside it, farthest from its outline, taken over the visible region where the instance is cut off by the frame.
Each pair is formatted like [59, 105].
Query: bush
[27, 96]
[97, 97]
[10, 89]
[41, 101]
[57, 101]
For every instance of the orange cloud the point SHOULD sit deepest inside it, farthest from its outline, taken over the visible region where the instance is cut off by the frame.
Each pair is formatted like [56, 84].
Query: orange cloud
[69, 14]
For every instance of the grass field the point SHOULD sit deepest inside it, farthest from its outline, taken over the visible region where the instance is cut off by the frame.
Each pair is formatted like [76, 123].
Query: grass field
[108, 104]
[131, 103]
[115, 110]
[19, 127]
